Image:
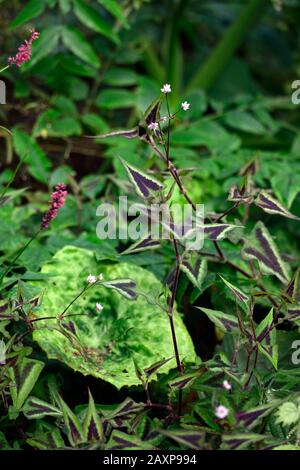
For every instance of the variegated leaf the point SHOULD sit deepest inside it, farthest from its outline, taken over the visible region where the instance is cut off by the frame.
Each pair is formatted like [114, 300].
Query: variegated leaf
[190, 438]
[128, 134]
[294, 313]
[123, 441]
[241, 440]
[146, 243]
[292, 289]
[225, 322]
[35, 408]
[261, 247]
[240, 296]
[250, 418]
[240, 196]
[125, 287]
[73, 427]
[270, 205]
[152, 112]
[183, 381]
[23, 377]
[217, 231]
[195, 268]
[92, 426]
[155, 367]
[266, 338]
[146, 186]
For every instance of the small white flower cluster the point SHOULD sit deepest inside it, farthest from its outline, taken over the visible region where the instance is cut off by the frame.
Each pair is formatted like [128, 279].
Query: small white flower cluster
[91, 279]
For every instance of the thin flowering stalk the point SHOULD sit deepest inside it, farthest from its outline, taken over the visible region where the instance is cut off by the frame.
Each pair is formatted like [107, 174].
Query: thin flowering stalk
[24, 51]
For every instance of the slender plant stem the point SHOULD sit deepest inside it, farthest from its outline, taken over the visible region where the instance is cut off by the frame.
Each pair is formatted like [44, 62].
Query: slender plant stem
[4, 68]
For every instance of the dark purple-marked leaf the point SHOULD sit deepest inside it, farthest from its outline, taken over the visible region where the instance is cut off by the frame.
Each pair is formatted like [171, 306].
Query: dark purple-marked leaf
[72, 424]
[261, 247]
[70, 326]
[217, 231]
[125, 287]
[294, 313]
[183, 381]
[250, 168]
[238, 441]
[293, 287]
[125, 410]
[155, 367]
[92, 426]
[195, 268]
[270, 205]
[152, 112]
[128, 134]
[23, 377]
[249, 418]
[144, 185]
[266, 338]
[121, 441]
[225, 322]
[146, 243]
[4, 307]
[35, 408]
[46, 441]
[236, 291]
[236, 195]
[187, 437]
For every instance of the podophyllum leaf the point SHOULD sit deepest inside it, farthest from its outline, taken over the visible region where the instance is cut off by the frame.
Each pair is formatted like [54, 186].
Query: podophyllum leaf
[196, 269]
[217, 231]
[23, 377]
[293, 287]
[242, 440]
[125, 329]
[270, 205]
[236, 291]
[129, 134]
[152, 112]
[250, 418]
[144, 185]
[121, 441]
[155, 367]
[92, 426]
[266, 338]
[288, 413]
[146, 243]
[35, 408]
[261, 247]
[222, 320]
[187, 437]
[125, 287]
[72, 425]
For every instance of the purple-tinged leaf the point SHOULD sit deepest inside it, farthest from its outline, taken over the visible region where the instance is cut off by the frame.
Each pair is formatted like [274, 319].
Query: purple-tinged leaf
[128, 134]
[217, 231]
[240, 296]
[293, 287]
[152, 112]
[70, 326]
[250, 418]
[195, 268]
[261, 247]
[266, 338]
[122, 441]
[225, 322]
[242, 440]
[144, 185]
[125, 287]
[270, 205]
[72, 424]
[189, 438]
[35, 408]
[92, 426]
[250, 168]
[146, 243]
[183, 381]
[237, 195]
[23, 377]
[155, 367]
[294, 313]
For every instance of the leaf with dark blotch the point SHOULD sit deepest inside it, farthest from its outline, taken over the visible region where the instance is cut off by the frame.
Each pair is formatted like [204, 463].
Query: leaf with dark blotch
[152, 112]
[146, 243]
[225, 322]
[183, 381]
[195, 268]
[72, 424]
[70, 326]
[128, 134]
[294, 313]
[125, 410]
[266, 338]
[35, 408]
[236, 291]
[190, 438]
[217, 231]
[155, 367]
[125, 287]
[122, 441]
[238, 441]
[92, 426]
[23, 378]
[144, 185]
[250, 418]
[237, 195]
[261, 247]
[292, 289]
[270, 205]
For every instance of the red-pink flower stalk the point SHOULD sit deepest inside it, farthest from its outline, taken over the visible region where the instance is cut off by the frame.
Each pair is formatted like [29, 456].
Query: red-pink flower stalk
[24, 52]
[57, 201]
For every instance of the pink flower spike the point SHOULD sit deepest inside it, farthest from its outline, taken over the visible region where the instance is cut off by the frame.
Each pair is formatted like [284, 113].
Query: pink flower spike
[57, 201]
[221, 412]
[24, 52]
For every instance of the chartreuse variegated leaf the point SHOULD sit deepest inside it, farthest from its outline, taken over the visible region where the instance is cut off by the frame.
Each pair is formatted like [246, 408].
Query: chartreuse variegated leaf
[35, 408]
[270, 205]
[23, 377]
[122, 441]
[249, 418]
[241, 441]
[217, 231]
[195, 268]
[225, 322]
[239, 295]
[261, 247]
[190, 438]
[108, 341]
[42, 440]
[146, 243]
[92, 426]
[266, 338]
[292, 290]
[73, 427]
[125, 287]
[146, 186]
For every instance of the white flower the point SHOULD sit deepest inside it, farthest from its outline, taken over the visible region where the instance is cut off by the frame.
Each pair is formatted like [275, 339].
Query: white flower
[91, 279]
[153, 126]
[221, 412]
[226, 385]
[185, 105]
[99, 307]
[100, 277]
[163, 119]
[166, 88]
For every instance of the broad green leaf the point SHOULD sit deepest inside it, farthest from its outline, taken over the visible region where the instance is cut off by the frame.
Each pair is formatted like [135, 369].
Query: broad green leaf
[109, 340]
[23, 378]
[32, 9]
[115, 99]
[288, 413]
[114, 7]
[75, 41]
[244, 121]
[93, 20]
[45, 46]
